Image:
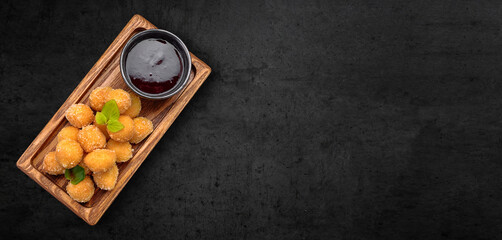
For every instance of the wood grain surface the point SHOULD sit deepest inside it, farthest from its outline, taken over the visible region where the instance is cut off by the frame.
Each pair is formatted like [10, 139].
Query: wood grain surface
[106, 72]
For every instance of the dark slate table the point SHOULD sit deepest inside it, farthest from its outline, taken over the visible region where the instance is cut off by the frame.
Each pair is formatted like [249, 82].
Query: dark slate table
[321, 120]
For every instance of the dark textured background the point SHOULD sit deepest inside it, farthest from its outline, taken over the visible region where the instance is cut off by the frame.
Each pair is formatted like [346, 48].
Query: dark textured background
[321, 120]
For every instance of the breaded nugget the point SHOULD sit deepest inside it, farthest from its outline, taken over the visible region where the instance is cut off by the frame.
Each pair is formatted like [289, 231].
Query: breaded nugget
[126, 133]
[122, 98]
[123, 150]
[107, 180]
[98, 97]
[79, 115]
[68, 132]
[135, 108]
[86, 169]
[142, 128]
[100, 160]
[102, 127]
[69, 153]
[81, 192]
[90, 138]
[51, 165]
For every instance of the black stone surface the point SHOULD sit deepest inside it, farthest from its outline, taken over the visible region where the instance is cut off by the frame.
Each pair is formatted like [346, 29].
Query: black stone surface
[321, 120]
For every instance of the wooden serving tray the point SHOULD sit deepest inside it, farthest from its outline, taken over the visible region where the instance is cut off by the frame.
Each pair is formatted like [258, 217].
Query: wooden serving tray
[106, 72]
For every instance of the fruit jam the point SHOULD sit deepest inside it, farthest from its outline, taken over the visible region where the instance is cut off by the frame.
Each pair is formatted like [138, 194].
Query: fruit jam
[154, 65]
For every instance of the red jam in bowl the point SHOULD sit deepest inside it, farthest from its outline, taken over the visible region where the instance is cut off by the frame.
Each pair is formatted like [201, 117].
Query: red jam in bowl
[154, 65]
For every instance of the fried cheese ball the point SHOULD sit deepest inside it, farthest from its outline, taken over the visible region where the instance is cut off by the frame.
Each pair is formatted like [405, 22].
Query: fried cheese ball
[100, 160]
[107, 180]
[68, 132]
[123, 150]
[90, 138]
[51, 166]
[102, 127]
[135, 108]
[126, 133]
[69, 153]
[79, 115]
[86, 169]
[81, 192]
[122, 98]
[142, 128]
[98, 97]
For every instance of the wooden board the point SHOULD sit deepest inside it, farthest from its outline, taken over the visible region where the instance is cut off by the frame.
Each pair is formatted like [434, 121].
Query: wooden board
[106, 72]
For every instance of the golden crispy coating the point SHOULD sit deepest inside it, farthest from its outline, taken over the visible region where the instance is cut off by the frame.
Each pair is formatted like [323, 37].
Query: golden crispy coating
[69, 153]
[86, 169]
[100, 160]
[135, 108]
[51, 166]
[122, 98]
[79, 115]
[98, 97]
[107, 180]
[81, 192]
[123, 150]
[102, 127]
[90, 138]
[68, 132]
[142, 128]
[126, 133]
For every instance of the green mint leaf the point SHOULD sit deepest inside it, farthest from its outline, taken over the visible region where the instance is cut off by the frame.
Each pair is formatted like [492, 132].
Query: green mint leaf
[111, 110]
[101, 118]
[114, 125]
[109, 115]
[75, 175]
[67, 174]
[78, 173]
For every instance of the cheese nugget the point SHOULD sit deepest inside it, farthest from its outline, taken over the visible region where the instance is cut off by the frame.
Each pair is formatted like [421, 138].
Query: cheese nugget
[98, 97]
[100, 160]
[51, 165]
[123, 150]
[122, 98]
[69, 153]
[86, 169]
[81, 192]
[91, 138]
[126, 133]
[68, 132]
[142, 128]
[102, 127]
[135, 108]
[107, 180]
[79, 115]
